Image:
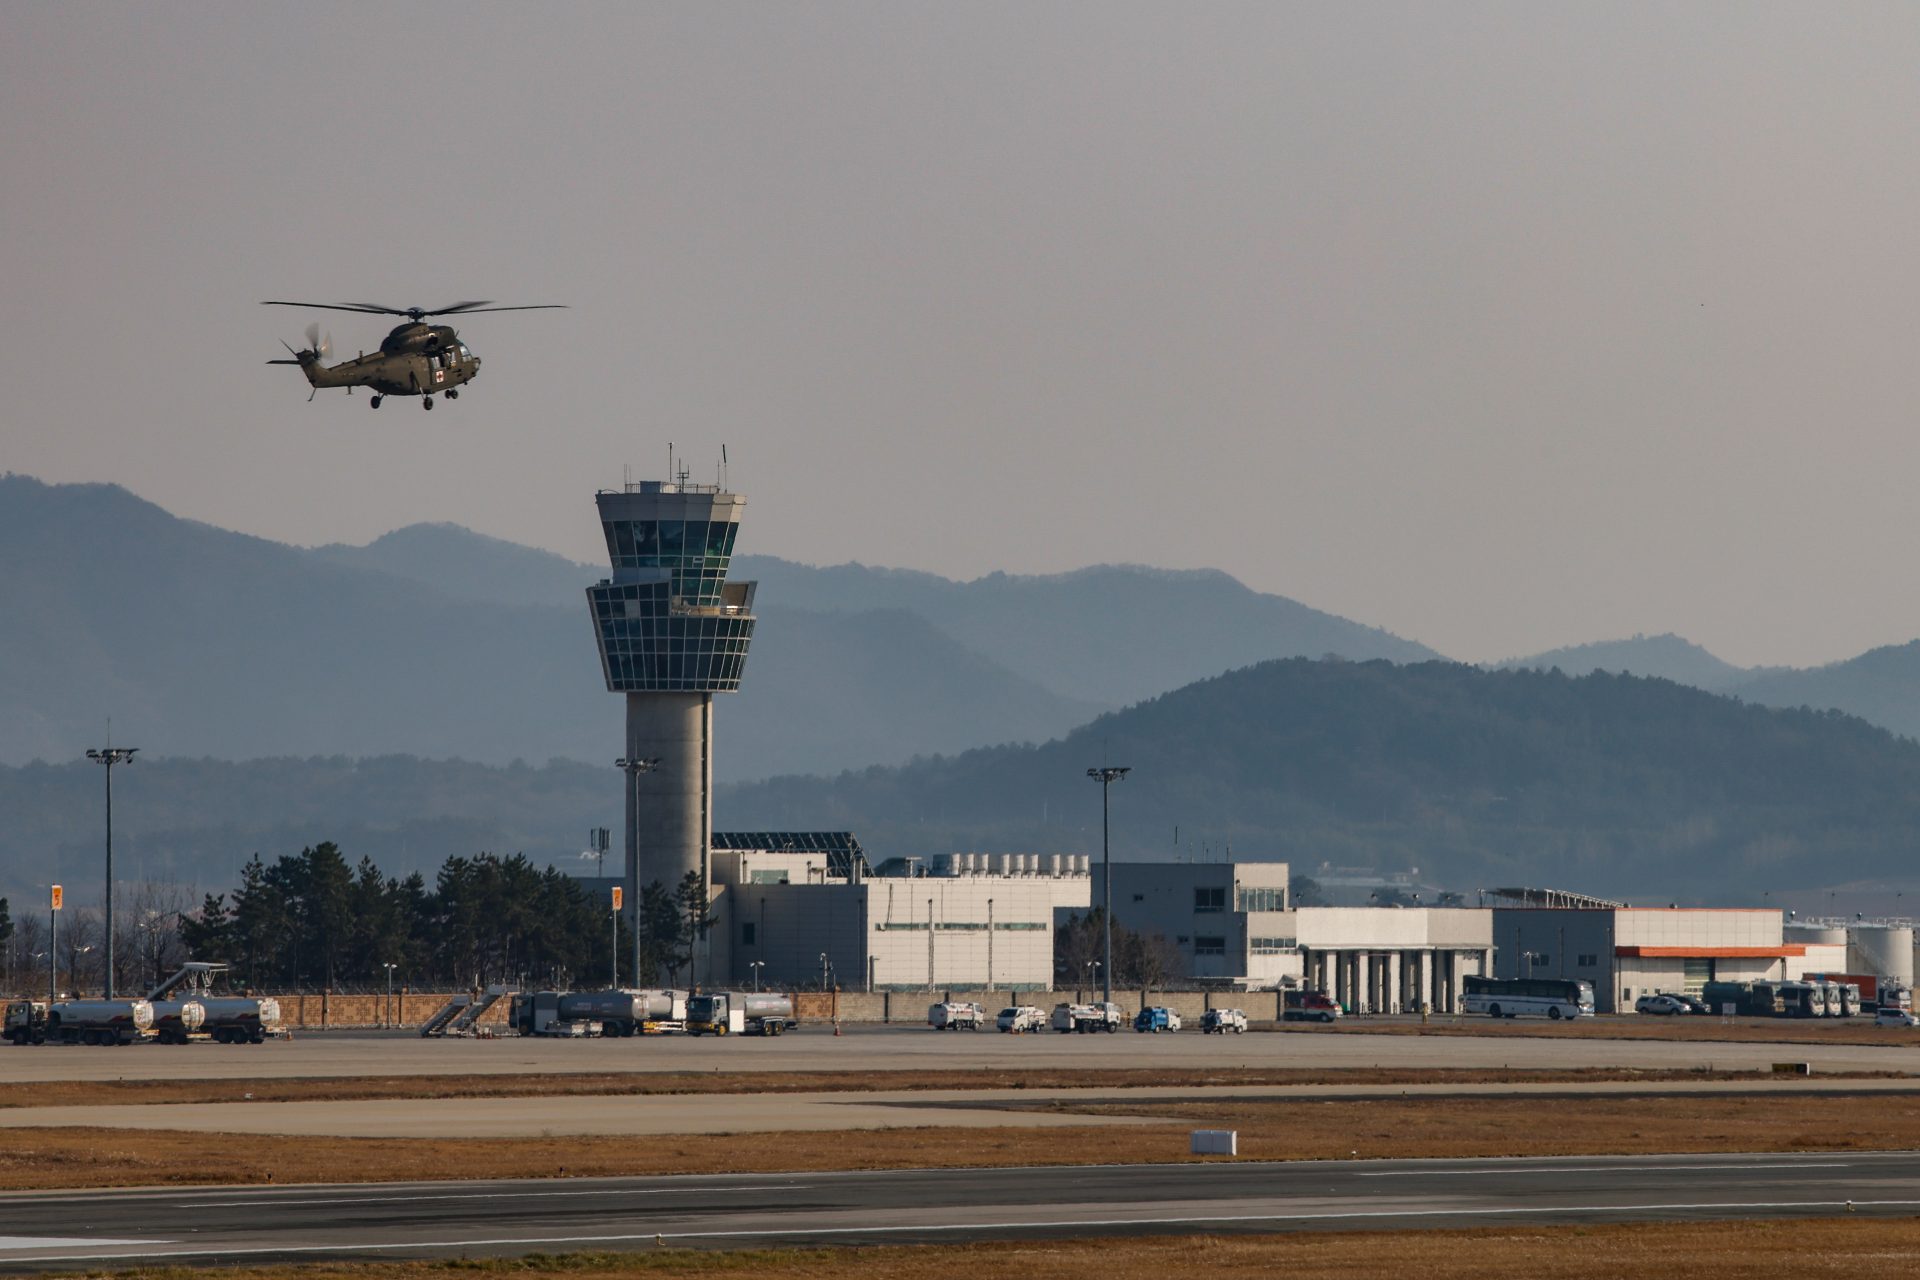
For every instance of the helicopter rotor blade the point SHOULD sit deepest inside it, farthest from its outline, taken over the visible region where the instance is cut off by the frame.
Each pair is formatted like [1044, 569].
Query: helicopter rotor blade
[326, 347]
[313, 337]
[470, 309]
[339, 306]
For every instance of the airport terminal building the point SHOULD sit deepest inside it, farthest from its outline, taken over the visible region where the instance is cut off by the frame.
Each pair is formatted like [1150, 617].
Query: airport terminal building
[1235, 925]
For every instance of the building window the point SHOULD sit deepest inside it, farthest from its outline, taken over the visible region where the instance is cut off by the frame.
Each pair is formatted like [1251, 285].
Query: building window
[1209, 900]
[1262, 899]
[1139, 897]
[746, 934]
[1205, 946]
[1272, 946]
[1586, 961]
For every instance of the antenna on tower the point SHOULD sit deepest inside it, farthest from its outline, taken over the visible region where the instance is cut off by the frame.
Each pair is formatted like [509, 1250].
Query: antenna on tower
[723, 466]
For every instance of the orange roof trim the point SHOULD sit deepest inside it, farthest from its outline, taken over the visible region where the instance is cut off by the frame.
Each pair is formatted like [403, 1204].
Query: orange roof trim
[1713, 953]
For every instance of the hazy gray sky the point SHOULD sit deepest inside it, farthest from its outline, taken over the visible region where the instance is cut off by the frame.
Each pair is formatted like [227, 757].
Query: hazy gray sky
[1501, 326]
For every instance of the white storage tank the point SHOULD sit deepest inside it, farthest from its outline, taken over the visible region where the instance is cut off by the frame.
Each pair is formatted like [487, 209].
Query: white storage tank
[1053, 864]
[997, 864]
[1882, 951]
[1816, 935]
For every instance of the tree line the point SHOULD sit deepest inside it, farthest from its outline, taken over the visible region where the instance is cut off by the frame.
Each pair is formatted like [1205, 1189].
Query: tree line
[313, 920]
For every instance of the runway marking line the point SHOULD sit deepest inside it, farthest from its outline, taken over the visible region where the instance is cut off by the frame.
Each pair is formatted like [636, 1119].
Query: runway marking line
[475, 1195]
[1598, 1168]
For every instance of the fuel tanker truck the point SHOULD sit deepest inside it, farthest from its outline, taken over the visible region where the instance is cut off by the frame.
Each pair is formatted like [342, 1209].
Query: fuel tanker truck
[753, 1013]
[224, 1019]
[606, 1013]
[176, 1021]
[240, 1019]
[99, 1021]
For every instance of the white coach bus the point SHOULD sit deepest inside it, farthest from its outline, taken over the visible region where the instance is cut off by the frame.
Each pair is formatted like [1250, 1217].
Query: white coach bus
[1554, 998]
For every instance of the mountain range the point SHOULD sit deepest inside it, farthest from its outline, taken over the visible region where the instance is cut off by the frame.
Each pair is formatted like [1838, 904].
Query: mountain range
[1634, 788]
[1881, 686]
[1625, 786]
[439, 642]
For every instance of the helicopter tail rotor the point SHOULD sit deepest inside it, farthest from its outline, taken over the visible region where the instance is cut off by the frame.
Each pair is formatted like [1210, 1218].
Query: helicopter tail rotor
[321, 347]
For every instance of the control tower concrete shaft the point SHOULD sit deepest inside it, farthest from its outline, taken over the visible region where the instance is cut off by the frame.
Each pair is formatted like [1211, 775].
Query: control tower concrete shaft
[672, 633]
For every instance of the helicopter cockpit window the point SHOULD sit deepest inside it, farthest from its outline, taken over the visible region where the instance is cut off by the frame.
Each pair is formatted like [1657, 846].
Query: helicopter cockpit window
[464, 353]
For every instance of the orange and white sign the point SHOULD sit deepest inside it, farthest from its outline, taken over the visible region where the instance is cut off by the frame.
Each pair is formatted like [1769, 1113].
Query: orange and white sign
[58, 897]
[619, 896]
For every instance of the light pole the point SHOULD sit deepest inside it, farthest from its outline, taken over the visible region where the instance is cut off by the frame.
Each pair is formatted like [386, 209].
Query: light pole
[1106, 776]
[989, 944]
[634, 767]
[929, 944]
[823, 971]
[110, 756]
[389, 967]
[757, 966]
[1094, 976]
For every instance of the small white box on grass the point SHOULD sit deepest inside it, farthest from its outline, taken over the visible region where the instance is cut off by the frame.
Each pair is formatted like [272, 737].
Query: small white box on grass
[1216, 1142]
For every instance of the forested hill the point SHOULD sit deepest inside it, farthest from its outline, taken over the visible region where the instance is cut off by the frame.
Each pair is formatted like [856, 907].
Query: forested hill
[1618, 785]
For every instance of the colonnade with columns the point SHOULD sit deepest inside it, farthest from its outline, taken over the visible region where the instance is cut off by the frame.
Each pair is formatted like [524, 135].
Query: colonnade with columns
[1369, 980]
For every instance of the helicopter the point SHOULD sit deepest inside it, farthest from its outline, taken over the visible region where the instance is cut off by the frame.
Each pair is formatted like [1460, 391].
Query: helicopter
[415, 359]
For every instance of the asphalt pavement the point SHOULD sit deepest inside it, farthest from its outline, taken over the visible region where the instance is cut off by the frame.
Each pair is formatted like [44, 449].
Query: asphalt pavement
[261, 1224]
[903, 1050]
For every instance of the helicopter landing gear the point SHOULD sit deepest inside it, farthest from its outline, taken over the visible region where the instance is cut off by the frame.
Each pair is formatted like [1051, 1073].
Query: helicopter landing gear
[374, 403]
[426, 402]
[452, 394]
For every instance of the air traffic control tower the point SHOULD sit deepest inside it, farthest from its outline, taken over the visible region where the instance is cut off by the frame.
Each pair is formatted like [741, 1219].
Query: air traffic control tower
[672, 633]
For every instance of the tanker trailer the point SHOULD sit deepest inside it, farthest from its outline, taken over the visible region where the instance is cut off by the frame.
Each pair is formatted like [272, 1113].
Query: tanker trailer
[240, 1019]
[754, 1013]
[175, 1021]
[619, 1013]
[99, 1021]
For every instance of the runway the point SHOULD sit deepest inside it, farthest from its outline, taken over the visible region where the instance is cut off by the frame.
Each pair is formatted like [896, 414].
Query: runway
[737, 1211]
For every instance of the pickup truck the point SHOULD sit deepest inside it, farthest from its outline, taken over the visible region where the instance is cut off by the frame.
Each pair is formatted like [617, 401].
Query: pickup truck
[1221, 1021]
[1088, 1017]
[1156, 1018]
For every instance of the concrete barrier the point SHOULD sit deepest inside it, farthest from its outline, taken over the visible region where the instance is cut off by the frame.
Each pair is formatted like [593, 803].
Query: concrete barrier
[334, 1011]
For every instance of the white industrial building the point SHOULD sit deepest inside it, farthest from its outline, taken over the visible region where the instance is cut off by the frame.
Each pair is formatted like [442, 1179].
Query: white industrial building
[803, 906]
[1234, 925]
[1628, 952]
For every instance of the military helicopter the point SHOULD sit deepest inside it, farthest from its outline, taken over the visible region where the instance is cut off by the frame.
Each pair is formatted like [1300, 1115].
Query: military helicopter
[416, 359]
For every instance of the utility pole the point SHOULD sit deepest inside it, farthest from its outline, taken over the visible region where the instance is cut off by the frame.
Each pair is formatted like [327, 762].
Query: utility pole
[613, 976]
[1106, 776]
[56, 899]
[110, 756]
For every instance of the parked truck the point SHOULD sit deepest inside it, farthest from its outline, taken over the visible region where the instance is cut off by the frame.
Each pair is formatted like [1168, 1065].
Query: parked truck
[98, 1021]
[752, 1013]
[953, 1015]
[224, 1019]
[1221, 1021]
[595, 1013]
[1099, 1016]
[1308, 1006]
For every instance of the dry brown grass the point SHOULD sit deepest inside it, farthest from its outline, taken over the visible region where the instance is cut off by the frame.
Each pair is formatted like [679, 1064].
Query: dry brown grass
[69, 1157]
[57, 1093]
[1819, 1249]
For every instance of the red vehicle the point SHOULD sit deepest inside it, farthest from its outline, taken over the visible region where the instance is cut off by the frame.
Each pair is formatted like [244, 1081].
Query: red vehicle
[1309, 1006]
